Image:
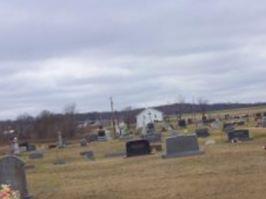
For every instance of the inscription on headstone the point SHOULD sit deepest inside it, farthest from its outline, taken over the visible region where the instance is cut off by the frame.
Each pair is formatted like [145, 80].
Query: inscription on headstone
[203, 133]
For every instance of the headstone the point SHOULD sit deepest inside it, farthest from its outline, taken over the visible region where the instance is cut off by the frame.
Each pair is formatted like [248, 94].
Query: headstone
[89, 155]
[138, 147]
[238, 135]
[83, 142]
[28, 146]
[263, 122]
[203, 133]
[182, 123]
[180, 146]
[228, 127]
[31, 147]
[36, 155]
[102, 134]
[23, 149]
[12, 172]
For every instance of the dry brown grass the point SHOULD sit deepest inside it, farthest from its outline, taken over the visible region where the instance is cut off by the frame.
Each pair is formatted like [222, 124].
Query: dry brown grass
[224, 171]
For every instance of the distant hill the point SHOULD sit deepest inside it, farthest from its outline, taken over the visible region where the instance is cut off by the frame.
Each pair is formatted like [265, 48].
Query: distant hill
[171, 109]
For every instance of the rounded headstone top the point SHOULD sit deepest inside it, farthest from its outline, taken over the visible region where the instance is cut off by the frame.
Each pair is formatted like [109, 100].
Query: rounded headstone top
[12, 158]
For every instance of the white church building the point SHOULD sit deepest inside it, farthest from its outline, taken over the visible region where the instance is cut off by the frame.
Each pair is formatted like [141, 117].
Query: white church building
[147, 116]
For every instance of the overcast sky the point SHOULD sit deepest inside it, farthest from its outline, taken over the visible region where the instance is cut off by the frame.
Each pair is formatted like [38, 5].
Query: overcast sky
[141, 52]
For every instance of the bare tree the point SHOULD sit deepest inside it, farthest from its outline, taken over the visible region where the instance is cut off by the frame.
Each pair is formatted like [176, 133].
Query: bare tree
[69, 123]
[181, 106]
[203, 107]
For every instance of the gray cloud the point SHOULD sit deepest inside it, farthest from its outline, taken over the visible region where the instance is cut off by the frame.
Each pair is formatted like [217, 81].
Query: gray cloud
[142, 53]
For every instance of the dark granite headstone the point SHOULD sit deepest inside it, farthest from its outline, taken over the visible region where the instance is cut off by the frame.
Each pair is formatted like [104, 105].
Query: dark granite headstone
[228, 127]
[101, 135]
[180, 146]
[29, 147]
[203, 133]
[12, 172]
[138, 147]
[239, 135]
[182, 123]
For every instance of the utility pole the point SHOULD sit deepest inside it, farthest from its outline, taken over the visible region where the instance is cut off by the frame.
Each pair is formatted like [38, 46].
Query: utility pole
[113, 116]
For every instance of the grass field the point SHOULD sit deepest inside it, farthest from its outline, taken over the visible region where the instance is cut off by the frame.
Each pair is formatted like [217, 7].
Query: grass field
[224, 171]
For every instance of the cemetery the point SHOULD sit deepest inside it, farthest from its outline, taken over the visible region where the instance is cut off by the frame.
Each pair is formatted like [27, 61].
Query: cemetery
[202, 162]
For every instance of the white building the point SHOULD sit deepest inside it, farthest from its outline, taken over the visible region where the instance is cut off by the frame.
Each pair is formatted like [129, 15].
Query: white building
[147, 116]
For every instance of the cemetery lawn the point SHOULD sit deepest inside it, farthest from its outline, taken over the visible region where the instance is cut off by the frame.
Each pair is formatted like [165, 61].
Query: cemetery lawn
[225, 171]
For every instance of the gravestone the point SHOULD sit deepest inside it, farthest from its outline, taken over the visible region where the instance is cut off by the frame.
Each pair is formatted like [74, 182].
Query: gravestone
[89, 155]
[203, 133]
[180, 146]
[36, 155]
[12, 172]
[228, 127]
[83, 142]
[23, 149]
[138, 147]
[29, 147]
[263, 122]
[102, 135]
[238, 135]
[182, 123]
